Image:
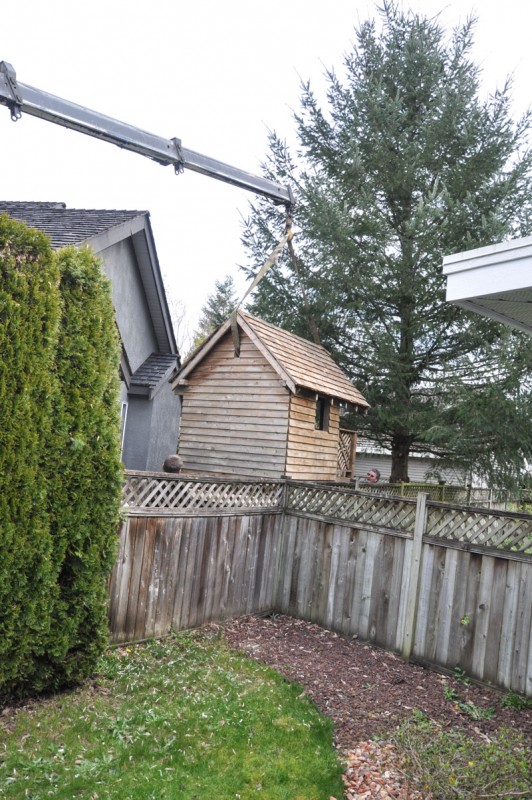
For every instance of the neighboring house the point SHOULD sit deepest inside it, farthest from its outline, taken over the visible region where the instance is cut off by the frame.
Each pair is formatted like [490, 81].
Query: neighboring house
[494, 281]
[124, 242]
[421, 468]
[261, 402]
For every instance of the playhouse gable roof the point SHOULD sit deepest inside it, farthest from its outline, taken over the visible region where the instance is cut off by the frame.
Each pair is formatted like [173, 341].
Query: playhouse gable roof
[299, 363]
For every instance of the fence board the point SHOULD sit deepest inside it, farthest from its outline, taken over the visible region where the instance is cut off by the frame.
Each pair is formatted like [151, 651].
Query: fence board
[482, 617]
[360, 567]
[333, 557]
[161, 620]
[311, 609]
[496, 606]
[445, 615]
[145, 575]
[119, 582]
[181, 558]
[350, 562]
[473, 568]
[380, 591]
[523, 634]
[342, 548]
[154, 578]
[406, 548]
[508, 623]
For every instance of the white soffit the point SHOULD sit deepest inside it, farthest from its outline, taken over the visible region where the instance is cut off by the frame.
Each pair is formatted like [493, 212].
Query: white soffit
[495, 281]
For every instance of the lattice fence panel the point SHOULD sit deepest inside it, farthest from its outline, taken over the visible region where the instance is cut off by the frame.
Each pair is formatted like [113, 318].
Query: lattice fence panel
[152, 492]
[502, 530]
[365, 509]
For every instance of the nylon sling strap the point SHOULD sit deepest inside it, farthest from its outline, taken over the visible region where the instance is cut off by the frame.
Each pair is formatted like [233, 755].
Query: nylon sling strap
[268, 264]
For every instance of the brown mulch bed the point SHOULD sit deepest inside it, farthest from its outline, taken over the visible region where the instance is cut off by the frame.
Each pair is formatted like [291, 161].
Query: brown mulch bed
[367, 692]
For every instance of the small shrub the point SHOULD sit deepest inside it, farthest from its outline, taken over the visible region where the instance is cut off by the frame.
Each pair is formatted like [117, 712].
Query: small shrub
[466, 706]
[461, 676]
[516, 701]
[450, 765]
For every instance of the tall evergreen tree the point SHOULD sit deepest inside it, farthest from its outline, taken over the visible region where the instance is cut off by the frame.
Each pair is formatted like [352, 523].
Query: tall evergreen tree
[403, 165]
[217, 309]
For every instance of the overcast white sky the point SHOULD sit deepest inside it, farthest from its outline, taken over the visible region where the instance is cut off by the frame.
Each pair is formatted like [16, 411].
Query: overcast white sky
[218, 74]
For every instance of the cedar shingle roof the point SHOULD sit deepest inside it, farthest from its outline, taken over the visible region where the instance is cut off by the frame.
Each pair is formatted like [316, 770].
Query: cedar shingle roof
[309, 365]
[66, 225]
[300, 363]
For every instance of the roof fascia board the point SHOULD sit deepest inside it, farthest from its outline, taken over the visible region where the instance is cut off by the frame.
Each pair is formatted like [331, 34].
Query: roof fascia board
[289, 381]
[156, 275]
[498, 268]
[118, 233]
[125, 366]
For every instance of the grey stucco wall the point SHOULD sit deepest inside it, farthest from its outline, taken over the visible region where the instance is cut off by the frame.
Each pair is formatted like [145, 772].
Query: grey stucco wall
[151, 429]
[132, 316]
[137, 434]
[151, 426]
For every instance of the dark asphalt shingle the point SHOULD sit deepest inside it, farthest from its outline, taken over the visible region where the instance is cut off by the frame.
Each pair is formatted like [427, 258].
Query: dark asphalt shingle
[154, 370]
[64, 225]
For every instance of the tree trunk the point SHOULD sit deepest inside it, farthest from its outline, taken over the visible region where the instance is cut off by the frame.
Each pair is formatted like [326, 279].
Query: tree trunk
[400, 452]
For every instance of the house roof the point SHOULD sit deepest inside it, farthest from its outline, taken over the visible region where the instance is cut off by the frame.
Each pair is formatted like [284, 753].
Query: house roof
[494, 281]
[64, 225]
[101, 229]
[300, 364]
[156, 370]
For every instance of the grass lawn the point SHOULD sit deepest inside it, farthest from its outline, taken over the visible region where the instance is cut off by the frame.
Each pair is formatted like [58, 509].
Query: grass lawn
[186, 718]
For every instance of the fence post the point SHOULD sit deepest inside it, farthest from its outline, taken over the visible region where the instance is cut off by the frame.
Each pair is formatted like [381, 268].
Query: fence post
[278, 577]
[413, 582]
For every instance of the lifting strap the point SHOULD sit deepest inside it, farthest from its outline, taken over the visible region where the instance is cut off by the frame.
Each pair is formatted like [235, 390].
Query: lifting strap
[268, 264]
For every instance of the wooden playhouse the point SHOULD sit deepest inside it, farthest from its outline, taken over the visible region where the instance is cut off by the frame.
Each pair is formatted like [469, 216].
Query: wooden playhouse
[258, 401]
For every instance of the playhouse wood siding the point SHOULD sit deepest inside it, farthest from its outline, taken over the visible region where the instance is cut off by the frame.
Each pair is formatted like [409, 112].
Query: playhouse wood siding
[234, 418]
[258, 414]
[311, 454]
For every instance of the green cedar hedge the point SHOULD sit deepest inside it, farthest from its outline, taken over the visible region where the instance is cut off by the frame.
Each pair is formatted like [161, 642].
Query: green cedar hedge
[59, 459]
[84, 468]
[29, 314]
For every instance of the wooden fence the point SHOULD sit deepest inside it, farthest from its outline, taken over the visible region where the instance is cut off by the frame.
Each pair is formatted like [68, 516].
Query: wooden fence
[446, 585]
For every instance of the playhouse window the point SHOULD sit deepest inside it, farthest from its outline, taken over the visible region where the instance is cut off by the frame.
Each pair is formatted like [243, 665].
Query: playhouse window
[323, 405]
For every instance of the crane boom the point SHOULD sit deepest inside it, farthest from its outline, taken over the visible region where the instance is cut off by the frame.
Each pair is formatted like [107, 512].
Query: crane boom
[21, 98]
